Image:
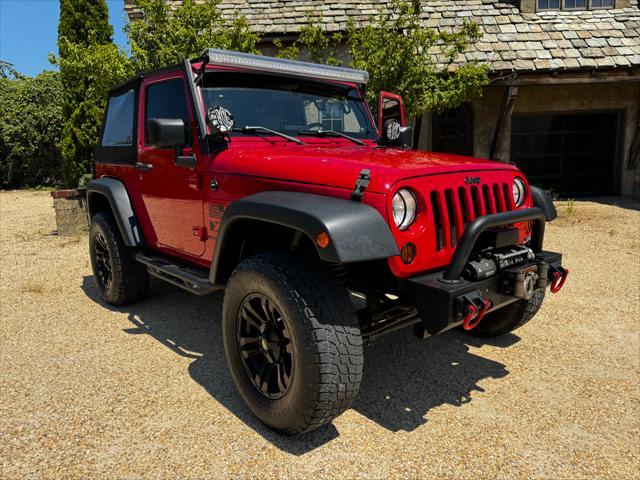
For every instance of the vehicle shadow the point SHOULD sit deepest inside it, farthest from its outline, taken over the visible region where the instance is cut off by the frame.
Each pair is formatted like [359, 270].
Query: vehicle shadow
[404, 379]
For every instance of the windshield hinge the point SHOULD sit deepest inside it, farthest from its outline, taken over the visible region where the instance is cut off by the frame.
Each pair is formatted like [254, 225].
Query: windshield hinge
[361, 185]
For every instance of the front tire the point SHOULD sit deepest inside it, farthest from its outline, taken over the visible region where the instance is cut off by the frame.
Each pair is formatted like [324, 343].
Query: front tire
[120, 278]
[509, 318]
[292, 342]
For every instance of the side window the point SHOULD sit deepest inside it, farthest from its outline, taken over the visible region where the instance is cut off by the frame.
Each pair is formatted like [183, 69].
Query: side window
[118, 128]
[166, 100]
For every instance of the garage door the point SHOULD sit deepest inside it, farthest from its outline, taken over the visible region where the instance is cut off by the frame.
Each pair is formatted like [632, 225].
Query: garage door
[572, 154]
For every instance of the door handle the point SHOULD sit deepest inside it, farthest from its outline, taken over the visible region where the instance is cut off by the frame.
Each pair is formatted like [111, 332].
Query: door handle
[143, 166]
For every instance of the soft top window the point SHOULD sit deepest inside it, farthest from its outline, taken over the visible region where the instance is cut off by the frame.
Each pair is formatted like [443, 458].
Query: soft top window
[118, 129]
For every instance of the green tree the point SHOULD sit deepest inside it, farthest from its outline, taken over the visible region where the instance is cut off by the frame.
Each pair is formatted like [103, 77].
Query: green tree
[30, 129]
[164, 36]
[419, 63]
[7, 70]
[83, 22]
[86, 58]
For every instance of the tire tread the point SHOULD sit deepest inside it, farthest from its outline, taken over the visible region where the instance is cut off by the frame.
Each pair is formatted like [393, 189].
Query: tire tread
[336, 339]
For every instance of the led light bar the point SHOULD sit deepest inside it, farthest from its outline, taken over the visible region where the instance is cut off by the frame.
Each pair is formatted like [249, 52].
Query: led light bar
[283, 66]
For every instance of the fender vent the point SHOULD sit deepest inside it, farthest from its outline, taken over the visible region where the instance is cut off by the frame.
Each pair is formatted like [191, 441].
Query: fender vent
[216, 210]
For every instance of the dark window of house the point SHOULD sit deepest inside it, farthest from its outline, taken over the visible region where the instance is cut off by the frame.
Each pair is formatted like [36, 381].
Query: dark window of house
[118, 128]
[569, 153]
[548, 4]
[453, 131]
[167, 100]
[575, 4]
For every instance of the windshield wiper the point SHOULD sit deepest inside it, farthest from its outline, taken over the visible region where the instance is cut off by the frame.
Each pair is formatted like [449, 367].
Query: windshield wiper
[258, 128]
[330, 133]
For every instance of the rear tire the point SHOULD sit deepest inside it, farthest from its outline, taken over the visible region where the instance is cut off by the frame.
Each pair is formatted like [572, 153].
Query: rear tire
[120, 278]
[310, 341]
[509, 318]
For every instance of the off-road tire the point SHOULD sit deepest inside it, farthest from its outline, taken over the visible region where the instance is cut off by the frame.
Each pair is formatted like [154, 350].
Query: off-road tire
[129, 278]
[509, 318]
[325, 336]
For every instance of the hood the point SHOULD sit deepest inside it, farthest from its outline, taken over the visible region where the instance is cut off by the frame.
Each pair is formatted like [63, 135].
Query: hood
[339, 166]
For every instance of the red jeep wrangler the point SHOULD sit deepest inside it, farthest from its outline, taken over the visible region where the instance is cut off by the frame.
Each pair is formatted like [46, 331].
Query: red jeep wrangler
[269, 179]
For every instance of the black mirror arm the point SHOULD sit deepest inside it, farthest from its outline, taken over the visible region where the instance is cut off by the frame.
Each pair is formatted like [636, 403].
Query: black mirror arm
[188, 161]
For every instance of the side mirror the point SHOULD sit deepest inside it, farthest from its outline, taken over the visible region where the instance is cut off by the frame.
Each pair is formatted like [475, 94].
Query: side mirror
[166, 133]
[391, 122]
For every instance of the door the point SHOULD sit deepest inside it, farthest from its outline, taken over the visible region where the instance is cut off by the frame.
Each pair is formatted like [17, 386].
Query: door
[571, 154]
[171, 194]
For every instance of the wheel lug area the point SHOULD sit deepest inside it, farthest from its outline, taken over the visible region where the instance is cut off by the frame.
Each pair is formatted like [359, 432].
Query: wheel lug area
[263, 346]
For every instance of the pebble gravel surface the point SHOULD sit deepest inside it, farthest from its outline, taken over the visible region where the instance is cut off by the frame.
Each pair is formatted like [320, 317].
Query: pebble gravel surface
[143, 391]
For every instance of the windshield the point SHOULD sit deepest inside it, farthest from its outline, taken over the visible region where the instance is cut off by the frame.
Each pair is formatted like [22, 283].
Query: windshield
[288, 105]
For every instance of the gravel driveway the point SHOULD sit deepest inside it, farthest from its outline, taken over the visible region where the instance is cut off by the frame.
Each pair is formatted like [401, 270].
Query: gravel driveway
[88, 390]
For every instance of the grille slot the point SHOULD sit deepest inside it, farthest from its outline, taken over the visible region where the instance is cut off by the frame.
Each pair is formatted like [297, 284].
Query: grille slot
[489, 200]
[499, 198]
[465, 204]
[437, 219]
[508, 195]
[452, 214]
[478, 201]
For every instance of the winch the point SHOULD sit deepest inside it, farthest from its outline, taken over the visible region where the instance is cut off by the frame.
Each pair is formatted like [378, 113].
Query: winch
[490, 262]
[521, 274]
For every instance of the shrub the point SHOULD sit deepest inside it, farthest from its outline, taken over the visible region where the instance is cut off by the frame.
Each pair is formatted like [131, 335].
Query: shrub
[30, 130]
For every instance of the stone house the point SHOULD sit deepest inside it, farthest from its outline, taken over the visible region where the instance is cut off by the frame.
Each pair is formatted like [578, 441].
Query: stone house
[564, 98]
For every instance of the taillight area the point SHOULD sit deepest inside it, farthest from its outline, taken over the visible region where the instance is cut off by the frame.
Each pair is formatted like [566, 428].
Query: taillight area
[450, 202]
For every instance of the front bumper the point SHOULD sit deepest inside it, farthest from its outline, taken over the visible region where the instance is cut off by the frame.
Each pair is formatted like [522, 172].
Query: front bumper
[443, 305]
[445, 299]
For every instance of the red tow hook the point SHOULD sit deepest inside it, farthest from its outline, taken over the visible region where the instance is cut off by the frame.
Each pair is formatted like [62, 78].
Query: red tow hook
[469, 322]
[558, 280]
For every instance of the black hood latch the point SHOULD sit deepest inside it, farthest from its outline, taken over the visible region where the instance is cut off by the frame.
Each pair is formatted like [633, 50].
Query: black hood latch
[361, 185]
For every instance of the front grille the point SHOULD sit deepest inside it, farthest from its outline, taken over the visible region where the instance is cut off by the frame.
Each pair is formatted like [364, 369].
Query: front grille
[453, 209]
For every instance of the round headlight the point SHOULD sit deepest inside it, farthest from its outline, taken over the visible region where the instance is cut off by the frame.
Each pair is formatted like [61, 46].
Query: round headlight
[404, 208]
[519, 191]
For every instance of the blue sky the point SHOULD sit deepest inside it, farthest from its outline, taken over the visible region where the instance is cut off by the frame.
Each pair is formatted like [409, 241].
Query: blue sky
[29, 29]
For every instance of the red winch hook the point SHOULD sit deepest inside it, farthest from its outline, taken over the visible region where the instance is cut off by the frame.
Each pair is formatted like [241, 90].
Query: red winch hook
[558, 280]
[468, 323]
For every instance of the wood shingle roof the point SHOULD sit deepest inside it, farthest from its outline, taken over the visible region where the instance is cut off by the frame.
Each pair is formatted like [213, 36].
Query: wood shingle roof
[512, 40]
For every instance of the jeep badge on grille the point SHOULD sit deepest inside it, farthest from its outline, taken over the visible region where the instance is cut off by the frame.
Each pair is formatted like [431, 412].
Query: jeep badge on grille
[472, 180]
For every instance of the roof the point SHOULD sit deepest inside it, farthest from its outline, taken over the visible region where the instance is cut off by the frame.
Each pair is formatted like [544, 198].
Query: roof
[512, 40]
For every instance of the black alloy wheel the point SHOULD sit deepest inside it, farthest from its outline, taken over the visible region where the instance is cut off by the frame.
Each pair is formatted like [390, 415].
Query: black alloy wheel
[265, 345]
[120, 278]
[103, 261]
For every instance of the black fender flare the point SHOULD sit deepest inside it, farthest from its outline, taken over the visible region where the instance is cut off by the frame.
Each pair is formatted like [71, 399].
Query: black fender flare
[544, 202]
[116, 194]
[357, 232]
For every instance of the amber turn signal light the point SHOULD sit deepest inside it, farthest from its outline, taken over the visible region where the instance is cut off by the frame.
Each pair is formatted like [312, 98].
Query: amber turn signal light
[408, 253]
[322, 239]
